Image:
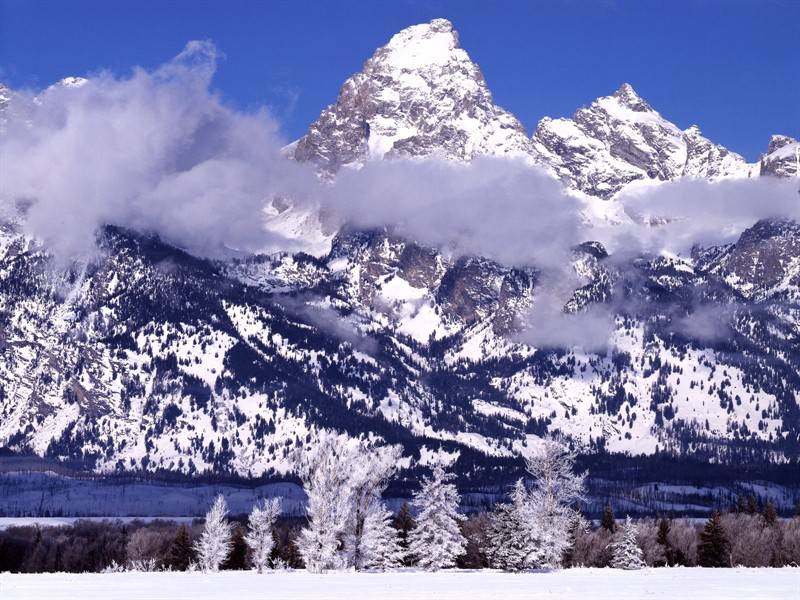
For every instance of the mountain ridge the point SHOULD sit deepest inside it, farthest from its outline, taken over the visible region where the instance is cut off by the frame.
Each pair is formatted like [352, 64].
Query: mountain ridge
[148, 358]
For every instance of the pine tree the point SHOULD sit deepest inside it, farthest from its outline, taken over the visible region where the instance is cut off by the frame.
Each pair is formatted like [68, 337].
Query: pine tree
[607, 521]
[513, 545]
[259, 534]
[237, 557]
[180, 552]
[627, 553]
[578, 526]
[437, 540]
[214, 544]
[770, 514]
[404, 523]
[751, 505]
[662, 538]
[380, 543]
[713, 549]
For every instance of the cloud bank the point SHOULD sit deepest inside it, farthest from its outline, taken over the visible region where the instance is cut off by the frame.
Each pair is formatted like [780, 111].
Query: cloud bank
[157, 151]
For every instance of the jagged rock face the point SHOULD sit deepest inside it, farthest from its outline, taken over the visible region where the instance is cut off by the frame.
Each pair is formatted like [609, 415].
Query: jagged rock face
[764, 262]
[418, 95]
[150, 358]
[781, 157]
[705, 159]
[619, 139]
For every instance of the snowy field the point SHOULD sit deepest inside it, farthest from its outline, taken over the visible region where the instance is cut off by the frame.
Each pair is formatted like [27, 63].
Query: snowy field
[581, 584]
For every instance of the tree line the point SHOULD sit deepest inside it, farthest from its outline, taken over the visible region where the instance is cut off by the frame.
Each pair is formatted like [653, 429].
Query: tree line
[349, 527]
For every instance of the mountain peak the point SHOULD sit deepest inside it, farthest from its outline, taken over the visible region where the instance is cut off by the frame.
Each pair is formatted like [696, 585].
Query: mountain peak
[628, 97]
[418, 95]
[421, 45]
[779, 141]
[620, 138]
[781, 157]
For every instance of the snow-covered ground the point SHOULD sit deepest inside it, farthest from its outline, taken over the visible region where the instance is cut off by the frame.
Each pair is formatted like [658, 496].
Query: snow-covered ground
[583, 584]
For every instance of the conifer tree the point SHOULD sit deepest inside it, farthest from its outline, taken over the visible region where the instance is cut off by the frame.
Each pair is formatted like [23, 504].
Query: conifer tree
[437, 540]
[259, 534]
[180, 552]
[714, 548]
[607, 521]
[513, 543]
[627, 553]
[380, 542]
[662, 538]
[770, 514]
[578, 526]
[214, 544]
[404, 523]
[237, 557]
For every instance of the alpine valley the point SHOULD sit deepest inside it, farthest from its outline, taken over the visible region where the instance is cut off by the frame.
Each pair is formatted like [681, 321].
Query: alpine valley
[150, 362]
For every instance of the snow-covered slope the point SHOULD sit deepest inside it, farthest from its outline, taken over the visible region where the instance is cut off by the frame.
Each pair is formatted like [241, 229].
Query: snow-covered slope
[621, 138]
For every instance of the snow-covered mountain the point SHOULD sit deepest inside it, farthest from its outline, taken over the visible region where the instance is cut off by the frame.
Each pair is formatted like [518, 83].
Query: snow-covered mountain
[782, 157]
[149, 358]
[418, 95]
[621, 138]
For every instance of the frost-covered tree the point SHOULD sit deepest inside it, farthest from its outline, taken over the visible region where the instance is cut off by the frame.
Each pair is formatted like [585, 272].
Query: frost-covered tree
[627, 553]
[556, 490]
[214, 544]
[344, 479]
[380, 543]
[325, 473]
[437, 541]
[259, 532]
[512, 537]
[369, 521]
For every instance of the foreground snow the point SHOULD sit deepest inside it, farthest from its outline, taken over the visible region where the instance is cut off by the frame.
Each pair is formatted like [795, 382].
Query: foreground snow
[583, 584]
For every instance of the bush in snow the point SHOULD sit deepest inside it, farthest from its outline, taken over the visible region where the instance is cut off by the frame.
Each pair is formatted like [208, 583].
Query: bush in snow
[214, 544]
[627, 553]
[259, 532]
[437, 541]
[144, 549]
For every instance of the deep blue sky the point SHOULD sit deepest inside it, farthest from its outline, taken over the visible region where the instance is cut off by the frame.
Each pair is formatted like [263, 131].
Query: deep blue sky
[731, 66]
